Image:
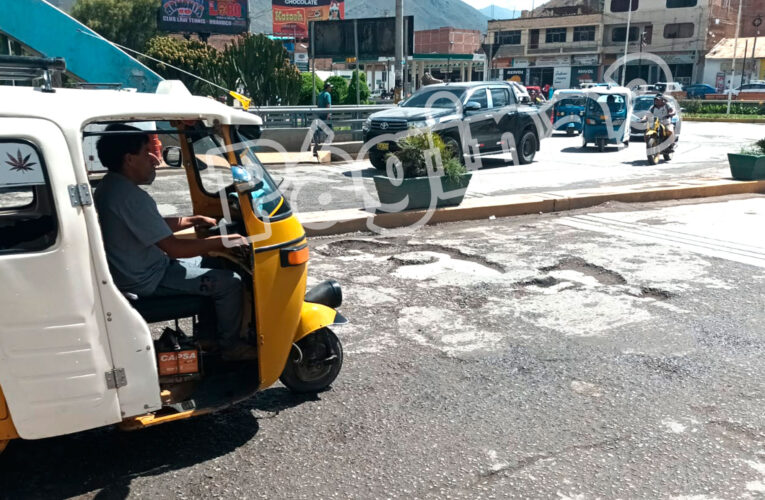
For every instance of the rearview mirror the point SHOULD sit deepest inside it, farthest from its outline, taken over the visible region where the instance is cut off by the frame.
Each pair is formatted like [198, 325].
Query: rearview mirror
[472, 106]
[244, 182]
[172, 156]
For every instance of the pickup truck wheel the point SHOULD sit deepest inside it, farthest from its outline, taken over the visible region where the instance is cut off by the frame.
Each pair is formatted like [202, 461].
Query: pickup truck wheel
[527, 147]
[377, 160]
[454, 146]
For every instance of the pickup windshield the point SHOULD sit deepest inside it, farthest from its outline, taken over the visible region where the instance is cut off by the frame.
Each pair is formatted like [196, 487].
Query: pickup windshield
[443, 98]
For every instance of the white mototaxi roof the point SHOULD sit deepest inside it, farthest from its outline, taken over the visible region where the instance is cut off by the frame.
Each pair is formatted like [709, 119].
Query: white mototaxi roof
[72, 109]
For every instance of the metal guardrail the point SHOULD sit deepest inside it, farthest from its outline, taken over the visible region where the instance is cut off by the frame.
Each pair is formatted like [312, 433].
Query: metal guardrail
[345, 119]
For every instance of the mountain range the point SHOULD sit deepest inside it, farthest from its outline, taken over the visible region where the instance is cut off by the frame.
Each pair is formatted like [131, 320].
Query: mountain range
[497, 12]
[428, 14]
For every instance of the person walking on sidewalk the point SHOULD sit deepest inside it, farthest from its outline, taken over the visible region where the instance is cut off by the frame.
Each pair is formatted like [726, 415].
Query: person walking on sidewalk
[325, 102]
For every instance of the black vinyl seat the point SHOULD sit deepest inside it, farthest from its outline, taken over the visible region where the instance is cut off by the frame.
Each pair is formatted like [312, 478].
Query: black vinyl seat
[170, 307]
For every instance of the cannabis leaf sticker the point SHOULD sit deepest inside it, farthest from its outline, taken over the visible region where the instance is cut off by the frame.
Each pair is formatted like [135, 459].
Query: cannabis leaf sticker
[20, 164]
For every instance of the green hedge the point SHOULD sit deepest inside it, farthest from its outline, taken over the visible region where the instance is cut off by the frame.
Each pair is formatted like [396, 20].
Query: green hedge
[721, 107]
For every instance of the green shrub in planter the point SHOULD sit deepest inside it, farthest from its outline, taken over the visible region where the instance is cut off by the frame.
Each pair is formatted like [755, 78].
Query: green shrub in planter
[415, 178]
[749, 164]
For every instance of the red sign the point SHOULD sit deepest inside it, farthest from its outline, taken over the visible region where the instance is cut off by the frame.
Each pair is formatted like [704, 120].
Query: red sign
[291, 17]
[720, 82]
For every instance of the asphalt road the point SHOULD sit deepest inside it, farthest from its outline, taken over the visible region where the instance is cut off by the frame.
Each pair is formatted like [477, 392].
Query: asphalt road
[561, 164]
[614, 352]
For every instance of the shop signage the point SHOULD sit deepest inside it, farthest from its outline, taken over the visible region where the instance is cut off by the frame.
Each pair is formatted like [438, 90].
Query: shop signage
[291, 17]
[582, 74]
[553, 61]
[515, 75]
[588, 60]
[203, 16]
[520, 62]
[561, 77]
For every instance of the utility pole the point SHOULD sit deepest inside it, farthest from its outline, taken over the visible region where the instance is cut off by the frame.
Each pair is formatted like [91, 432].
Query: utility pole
[399, 48]
[735, 46]
[627, 42]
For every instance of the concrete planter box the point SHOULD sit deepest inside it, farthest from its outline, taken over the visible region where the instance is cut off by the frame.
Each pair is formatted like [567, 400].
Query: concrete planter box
[747, 167]
[418, 191]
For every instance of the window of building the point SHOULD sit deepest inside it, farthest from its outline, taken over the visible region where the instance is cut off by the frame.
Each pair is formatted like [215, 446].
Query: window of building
[678, 30]
[555, 35]
[533, 39]
[624, 5]
[584, 33]
[618, 34]
[509, 37]
[676, 4]
[27, 219]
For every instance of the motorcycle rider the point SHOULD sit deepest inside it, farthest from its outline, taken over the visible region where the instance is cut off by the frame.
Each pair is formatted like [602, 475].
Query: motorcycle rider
[664, 111]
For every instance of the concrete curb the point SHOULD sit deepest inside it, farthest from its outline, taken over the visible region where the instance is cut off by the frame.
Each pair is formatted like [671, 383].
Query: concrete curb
[722, 120]
[352, 220]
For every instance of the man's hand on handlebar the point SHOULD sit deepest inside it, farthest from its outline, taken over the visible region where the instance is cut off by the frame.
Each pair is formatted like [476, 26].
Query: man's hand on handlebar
[234, 240]
[202, 221]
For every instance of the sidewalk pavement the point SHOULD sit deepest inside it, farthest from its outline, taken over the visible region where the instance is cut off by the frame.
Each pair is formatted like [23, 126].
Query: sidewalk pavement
[351, 220]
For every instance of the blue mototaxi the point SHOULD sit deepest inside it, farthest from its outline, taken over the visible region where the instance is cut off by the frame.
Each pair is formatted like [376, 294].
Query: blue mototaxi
[606, 116]
[568, 110]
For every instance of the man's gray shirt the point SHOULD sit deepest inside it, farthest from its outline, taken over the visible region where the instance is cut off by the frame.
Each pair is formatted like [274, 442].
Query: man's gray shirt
[131, 227]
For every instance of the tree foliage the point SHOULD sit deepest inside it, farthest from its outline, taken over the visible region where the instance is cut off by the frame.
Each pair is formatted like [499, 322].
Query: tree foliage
[306, 94]
[264, 69]
[363, 89]
[253, 63]
[190, 55]
[126, 22]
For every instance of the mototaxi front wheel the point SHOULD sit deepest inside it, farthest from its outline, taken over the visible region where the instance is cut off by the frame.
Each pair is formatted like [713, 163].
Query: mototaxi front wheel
[652, 150]
[314, 362]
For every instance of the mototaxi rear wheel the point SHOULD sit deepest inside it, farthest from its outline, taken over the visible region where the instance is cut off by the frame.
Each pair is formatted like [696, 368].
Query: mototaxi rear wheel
[314, 362]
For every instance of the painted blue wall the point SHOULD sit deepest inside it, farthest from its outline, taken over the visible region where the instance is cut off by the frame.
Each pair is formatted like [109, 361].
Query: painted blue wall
[51, 32]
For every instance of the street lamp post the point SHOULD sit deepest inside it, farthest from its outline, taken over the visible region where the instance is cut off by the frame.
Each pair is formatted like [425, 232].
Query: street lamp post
[733, 66]
[449, 62]
[627, 42]
[756, 22]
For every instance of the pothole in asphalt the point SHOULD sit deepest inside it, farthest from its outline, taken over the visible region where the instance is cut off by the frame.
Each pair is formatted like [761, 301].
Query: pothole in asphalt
[655, 293]
[546, 282]
[668, 366]
[601, 274]
[413, 259]
[341, 247]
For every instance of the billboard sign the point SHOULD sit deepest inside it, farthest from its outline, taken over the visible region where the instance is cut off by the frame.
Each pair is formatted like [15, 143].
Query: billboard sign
[291, 17]
[376, 38]
[203, 16]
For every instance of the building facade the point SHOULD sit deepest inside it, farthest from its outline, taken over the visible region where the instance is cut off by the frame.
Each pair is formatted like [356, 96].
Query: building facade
[447, 40]
[565, 48]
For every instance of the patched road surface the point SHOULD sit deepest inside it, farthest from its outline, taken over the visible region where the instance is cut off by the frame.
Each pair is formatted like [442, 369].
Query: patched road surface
[615, 352]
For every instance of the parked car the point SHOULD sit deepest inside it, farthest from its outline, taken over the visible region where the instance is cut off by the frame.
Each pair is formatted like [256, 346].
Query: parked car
[640, 107]
[699, 90]
[753, 86]
[668, 87]
[489, 109]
